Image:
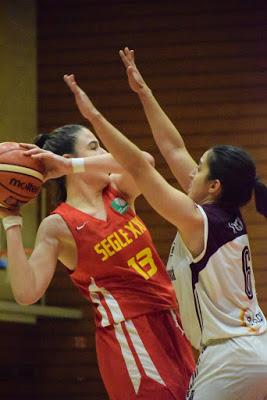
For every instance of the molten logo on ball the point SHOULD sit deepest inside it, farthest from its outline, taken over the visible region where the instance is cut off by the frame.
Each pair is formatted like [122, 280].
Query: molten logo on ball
[29, 187]
[21, 177]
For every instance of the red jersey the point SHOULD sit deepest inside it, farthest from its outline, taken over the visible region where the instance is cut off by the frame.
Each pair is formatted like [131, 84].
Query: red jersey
[118, 269]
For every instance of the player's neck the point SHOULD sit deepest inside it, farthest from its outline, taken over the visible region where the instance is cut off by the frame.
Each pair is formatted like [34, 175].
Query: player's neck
[81, 195]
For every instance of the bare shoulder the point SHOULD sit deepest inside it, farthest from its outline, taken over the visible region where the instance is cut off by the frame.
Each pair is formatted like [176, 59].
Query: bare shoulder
[54, 226]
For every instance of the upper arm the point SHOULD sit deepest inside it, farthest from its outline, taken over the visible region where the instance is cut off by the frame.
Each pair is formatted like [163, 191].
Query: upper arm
[125, 182]
[181, 164]
[44, 257]
[173, 205]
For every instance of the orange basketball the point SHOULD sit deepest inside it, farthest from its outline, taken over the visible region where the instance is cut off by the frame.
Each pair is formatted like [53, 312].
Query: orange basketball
[21, 177]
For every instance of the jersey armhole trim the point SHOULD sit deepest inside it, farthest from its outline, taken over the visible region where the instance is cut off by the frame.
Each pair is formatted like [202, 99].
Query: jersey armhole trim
[206, 231]
[76, 241]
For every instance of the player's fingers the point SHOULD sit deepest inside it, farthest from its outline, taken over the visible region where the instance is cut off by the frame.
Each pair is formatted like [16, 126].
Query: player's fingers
[131, 71]
[67, 79]
[32, 151]
[44, 155]
[71, 83]
[28, 145]
[123, 58]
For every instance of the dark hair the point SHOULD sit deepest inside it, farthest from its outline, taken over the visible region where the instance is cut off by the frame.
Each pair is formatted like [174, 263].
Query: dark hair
[261, 197]
[236, 171]
[60, 141]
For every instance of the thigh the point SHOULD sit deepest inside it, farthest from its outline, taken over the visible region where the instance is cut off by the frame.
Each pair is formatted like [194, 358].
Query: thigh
[234, 369]
[143, 358]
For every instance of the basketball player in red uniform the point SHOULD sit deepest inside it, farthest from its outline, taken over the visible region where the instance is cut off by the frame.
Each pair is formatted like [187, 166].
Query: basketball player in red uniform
[108, 251]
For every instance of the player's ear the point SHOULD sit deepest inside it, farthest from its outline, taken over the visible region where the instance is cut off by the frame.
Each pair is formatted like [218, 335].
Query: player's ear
[215, 187]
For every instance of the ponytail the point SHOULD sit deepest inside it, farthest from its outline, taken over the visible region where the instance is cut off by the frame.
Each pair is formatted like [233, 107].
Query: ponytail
[261, 197]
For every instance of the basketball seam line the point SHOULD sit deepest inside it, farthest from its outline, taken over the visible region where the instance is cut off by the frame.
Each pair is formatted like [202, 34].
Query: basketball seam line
[16, 168]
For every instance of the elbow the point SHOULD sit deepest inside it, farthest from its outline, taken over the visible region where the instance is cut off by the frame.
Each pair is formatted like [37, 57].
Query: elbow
[149, 158]
[22, 302]
[24, 299]
[138, 170]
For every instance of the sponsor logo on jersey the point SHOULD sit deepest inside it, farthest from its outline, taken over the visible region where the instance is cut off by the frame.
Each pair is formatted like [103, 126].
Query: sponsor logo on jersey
[79, 227]
[251, 319]
[119, 205]
[236, 225]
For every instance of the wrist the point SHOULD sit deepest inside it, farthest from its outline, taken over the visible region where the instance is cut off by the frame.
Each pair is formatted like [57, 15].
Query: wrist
[78, 165]
[11, 220]
[145, 91]
[95, 116]
[68, 166]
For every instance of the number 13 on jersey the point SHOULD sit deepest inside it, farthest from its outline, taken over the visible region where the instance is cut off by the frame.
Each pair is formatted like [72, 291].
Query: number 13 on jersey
[143, 263]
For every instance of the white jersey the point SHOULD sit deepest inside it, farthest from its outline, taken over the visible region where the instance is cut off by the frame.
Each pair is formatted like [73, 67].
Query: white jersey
[216, 290]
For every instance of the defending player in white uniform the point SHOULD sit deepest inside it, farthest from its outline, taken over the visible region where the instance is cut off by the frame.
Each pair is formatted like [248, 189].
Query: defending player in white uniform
[216, 290]
[210, 262]
[220, 312]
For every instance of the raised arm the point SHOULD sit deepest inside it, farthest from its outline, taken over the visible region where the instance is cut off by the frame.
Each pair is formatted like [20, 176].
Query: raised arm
[57, 166]
[173, 205]
[167, 137]
[30, 278]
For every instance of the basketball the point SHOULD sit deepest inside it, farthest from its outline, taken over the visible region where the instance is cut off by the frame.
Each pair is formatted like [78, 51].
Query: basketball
[21, 177]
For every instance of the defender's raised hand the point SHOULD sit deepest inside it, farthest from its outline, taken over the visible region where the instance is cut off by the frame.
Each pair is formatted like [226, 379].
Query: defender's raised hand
[85, 105]
[136, 81]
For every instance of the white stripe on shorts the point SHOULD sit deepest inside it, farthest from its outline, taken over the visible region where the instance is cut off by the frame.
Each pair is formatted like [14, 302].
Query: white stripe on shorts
[131, 366]
[148, 365]
[104, 316]
[144, 358]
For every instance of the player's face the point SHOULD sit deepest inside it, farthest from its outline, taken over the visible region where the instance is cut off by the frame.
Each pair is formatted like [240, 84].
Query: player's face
[199, 187]
[87, 144]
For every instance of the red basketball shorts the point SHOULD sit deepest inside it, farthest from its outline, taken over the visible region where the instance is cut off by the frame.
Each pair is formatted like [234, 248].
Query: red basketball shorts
[147, 357]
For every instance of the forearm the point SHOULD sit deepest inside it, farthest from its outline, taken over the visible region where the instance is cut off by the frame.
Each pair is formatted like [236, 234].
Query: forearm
[21, 276]
[104, 163]
[100, 163]
[165, 133]
[168, 139]
[128, 155]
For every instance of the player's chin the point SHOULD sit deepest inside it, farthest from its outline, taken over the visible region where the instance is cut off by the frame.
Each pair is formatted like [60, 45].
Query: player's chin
[193, 195]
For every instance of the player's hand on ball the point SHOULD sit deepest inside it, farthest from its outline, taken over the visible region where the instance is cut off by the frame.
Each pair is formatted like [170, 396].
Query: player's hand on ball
[4, 212]
[85, 105]
[55, 165]
[21, 177]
